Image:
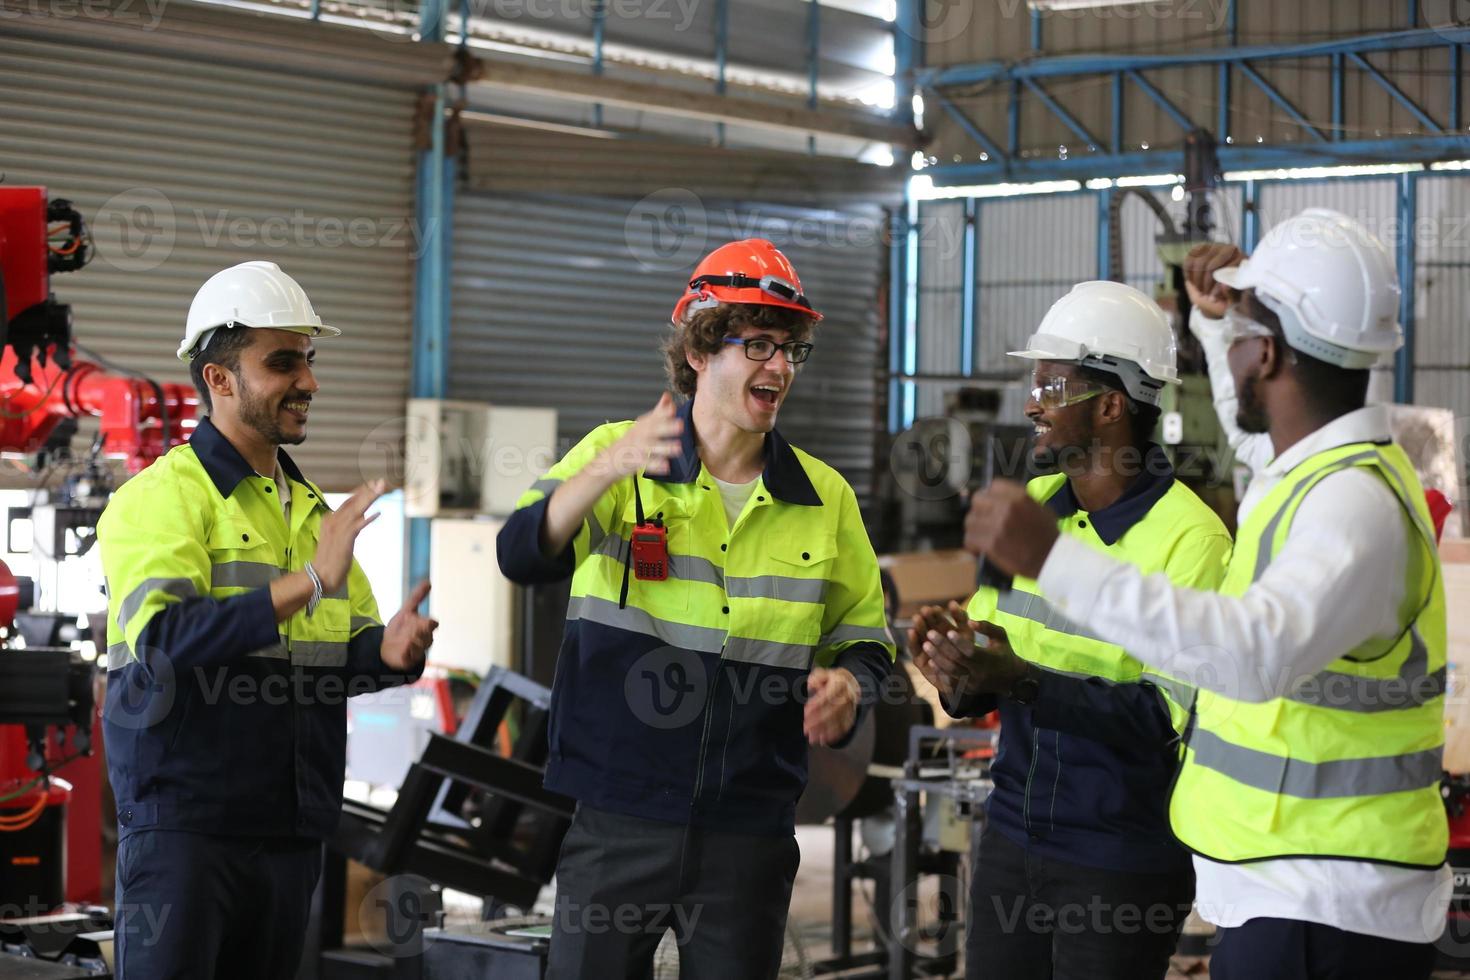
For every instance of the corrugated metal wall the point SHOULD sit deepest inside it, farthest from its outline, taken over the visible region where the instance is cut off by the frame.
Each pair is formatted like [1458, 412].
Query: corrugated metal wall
[1032, 251]
[1442, 291]
[515, 160]
[562, 301]
[940, 301]
[963, 33]
[178, 181]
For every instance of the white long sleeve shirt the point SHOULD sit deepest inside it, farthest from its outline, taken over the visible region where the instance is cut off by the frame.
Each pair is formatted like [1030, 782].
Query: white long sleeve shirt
[1338, 581]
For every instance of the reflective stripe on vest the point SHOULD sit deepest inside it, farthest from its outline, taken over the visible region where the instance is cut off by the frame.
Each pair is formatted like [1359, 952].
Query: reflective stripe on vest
[1043, 635]
[1322, 770]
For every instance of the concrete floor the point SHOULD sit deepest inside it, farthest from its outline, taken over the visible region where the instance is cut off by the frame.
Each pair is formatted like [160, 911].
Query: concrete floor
[811, 908]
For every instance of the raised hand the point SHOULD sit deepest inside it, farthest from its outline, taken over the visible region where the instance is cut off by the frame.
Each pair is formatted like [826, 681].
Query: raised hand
[653, 440]
[408, 635]
[339, 532]
[1210, 297]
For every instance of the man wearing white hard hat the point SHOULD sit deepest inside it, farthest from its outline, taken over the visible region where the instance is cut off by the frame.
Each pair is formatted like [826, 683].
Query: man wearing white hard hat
[1310, 786]
[238, 624]
[1079, 876]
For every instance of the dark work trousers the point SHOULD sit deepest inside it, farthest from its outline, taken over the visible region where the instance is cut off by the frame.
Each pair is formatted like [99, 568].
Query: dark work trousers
[1285, 949]
[1033, 918]
[204, 907]
[622, 882]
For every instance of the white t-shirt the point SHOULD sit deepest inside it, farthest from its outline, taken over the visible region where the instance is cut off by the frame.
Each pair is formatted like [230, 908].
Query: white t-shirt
[735, 496]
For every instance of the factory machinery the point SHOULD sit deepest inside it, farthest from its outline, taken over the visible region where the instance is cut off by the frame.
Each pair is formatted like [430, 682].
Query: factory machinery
[51, 780]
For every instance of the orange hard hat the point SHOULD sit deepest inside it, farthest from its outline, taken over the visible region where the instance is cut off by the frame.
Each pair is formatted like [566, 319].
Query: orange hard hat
[749, 271]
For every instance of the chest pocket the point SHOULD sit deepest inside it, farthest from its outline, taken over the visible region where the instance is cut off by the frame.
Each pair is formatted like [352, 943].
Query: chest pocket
[241, 558]
[794, 587]
[670, 598]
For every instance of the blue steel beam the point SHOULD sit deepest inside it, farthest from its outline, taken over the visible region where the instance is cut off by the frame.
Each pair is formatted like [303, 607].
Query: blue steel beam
[1398, 94]
[432, 15]
[1162, 101]
[1013, 120]
[968, 125]
[722, 54]
[1282, 101]
[968, 329]
[1067, 119]
[1339, 118]
[599, 36]
[1403, 366]
[1222, 89]
[1237, 156]
[813, 66]
[1455, 83]
[1117, 142]
[1223, 80]
[1071, 65]
[908, 55]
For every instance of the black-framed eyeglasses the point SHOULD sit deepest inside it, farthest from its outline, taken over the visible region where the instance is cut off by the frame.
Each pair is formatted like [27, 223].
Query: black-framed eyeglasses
[761, 349]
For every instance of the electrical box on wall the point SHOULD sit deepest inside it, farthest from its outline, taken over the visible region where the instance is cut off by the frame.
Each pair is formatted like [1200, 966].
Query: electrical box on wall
[474, 603]
[521, 448]
[463, 458]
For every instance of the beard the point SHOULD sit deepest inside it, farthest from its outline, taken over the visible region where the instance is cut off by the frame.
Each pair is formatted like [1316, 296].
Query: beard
[263, 415]
[1250, 412]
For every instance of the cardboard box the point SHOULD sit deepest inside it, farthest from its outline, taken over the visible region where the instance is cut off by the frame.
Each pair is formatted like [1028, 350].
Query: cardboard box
[1457, 695]
[929, 578]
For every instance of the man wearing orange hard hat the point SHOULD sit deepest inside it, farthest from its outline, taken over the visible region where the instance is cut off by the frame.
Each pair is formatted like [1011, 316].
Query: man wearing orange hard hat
[726, 611]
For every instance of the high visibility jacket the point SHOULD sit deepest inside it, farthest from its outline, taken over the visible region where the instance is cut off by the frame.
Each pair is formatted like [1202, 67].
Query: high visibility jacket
[682, 700]
[1348, 764]
[1083, 775]
[218, 718]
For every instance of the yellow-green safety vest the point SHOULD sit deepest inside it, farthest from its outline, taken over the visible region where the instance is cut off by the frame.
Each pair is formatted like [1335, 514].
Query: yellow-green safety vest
[169, 534]
[1180, 536]
[1348, 765]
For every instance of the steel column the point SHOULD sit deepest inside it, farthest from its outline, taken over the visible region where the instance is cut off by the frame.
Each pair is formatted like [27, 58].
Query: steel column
[1403, 372]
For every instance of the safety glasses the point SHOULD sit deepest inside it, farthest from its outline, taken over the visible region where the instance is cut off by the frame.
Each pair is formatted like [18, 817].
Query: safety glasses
[1240, 327]
[1052, 393]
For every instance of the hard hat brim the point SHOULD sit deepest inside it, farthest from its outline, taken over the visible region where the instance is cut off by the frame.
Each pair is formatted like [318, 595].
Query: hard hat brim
[1237, 277]
[311, 330]
[1047, 347]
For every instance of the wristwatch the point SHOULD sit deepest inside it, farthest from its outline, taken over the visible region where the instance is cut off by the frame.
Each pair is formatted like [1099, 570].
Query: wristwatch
[1026, 688]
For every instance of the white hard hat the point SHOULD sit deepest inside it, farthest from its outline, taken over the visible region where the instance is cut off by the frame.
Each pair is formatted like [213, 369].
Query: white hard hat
[1110, 327]
[251, 294]
[1332, 284]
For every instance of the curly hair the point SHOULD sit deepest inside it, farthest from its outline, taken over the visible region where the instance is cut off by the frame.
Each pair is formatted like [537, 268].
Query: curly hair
[705, 331]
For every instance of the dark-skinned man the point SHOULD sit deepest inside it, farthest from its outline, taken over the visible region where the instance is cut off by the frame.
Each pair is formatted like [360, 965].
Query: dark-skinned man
[238, 624]
[1310, 786]
[1079, 876]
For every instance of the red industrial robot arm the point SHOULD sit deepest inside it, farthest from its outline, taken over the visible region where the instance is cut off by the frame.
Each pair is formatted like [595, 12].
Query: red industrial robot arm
[40, 381]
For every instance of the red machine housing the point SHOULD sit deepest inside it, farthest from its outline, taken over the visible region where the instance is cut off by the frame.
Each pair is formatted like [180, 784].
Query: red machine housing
[37, 336]
[50, 835]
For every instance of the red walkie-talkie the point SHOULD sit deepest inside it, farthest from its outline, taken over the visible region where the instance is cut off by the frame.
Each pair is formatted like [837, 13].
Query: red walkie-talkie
[648, 552]
[651, 551]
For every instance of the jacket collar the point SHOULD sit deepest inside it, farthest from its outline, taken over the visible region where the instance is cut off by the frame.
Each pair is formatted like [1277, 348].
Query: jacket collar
[1114, 520]
[223, 462]
[784, 475]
